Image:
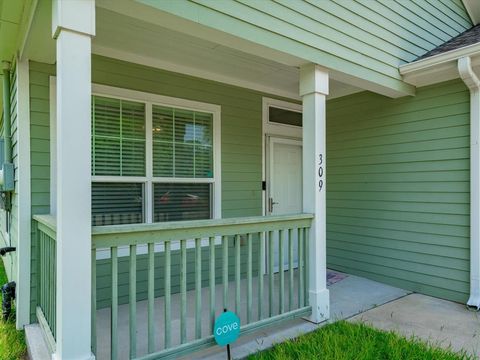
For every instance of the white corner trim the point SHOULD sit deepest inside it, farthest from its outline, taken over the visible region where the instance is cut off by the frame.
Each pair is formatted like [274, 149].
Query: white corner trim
[473, 83]
[24, 194]
[53, 145]
[473, 10]
[187, 70]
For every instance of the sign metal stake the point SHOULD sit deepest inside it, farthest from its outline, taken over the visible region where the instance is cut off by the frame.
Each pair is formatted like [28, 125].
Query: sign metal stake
[229, 353]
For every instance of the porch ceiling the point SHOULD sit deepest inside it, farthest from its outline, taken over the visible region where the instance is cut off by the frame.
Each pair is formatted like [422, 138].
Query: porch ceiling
[131, 39]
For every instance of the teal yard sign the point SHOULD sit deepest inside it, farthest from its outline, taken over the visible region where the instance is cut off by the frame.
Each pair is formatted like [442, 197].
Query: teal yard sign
[227, 328]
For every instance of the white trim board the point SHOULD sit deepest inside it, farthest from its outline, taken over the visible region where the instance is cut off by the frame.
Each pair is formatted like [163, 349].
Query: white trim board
[24, 194]
[53, 144]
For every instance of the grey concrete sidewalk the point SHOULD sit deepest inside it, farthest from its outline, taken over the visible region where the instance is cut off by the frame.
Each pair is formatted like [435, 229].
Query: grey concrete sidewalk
[440, 322]
[348, 297]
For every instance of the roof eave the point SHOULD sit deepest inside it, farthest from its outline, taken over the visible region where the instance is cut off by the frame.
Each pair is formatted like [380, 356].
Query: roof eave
[438, 68]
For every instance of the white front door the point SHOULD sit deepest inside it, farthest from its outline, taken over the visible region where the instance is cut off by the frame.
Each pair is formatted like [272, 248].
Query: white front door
[285, 187]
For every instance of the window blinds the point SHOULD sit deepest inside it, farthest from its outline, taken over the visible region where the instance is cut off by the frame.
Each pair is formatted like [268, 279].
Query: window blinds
[117, 203]
[118, 137]
[177, 201]
[182, 143]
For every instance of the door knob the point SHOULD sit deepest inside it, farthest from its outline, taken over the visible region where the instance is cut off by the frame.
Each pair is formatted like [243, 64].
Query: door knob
[270, 204]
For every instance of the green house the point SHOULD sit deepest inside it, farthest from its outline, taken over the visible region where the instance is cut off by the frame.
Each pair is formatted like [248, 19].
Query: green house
[165, 159]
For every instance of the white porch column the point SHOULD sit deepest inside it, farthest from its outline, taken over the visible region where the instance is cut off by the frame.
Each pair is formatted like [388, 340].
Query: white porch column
[73, 25]
[313, 90]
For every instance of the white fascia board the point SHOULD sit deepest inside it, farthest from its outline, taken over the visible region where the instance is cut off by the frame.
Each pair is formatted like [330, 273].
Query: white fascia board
[473, 10]
[438, 68]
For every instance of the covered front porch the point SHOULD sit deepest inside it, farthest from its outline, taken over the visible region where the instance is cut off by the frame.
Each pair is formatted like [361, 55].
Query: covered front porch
[144, 311]
[163, 209]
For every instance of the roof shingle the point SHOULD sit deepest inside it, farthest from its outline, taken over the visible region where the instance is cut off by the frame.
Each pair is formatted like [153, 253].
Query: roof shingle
[469, 37]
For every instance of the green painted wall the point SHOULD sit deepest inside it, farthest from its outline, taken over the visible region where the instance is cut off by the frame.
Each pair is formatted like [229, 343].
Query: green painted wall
[398, 175]
[11, 238]
[39, 153]
[398, 189]
[364, 38]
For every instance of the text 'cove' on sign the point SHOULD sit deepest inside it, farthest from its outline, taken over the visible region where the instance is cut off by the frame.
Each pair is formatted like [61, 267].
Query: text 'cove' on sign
[227, 328]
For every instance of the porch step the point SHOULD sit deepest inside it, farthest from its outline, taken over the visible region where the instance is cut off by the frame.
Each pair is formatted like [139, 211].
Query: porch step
[36, 344]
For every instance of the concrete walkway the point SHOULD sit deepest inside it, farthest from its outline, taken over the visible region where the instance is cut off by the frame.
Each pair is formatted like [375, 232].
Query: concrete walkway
[348, 297]
[440, 322]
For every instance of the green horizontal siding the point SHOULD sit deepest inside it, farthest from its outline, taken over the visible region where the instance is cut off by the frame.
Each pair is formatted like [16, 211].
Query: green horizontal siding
[11, 239]
[40, 156]
[364, 38]
[398, 189]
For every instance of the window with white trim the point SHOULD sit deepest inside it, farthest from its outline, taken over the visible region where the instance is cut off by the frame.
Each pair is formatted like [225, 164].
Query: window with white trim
[153, 162]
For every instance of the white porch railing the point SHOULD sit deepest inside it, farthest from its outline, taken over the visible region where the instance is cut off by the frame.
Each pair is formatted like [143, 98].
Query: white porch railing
[239, 252]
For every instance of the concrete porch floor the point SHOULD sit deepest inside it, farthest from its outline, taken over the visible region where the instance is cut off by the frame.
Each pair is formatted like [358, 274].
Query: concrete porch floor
[103, 315]
[349, 296]
[437, 321]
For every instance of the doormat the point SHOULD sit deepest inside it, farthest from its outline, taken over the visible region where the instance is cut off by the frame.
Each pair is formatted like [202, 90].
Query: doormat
[334, 277]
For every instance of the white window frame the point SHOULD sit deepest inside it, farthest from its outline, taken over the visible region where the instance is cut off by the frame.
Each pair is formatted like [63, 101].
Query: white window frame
[279, 129]
[148, 180]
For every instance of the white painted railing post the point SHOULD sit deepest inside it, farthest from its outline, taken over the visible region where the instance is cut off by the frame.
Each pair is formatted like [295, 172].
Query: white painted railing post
[73, 25]
[313, 90]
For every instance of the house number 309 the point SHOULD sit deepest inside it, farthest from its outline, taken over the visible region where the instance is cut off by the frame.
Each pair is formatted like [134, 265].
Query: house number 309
[320, 172]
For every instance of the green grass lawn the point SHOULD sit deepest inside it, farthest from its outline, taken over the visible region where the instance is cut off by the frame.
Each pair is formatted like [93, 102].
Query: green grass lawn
[12, 342]
[343, 340]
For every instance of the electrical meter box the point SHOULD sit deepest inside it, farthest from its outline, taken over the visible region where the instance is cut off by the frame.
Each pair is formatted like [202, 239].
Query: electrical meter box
[6, 171]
